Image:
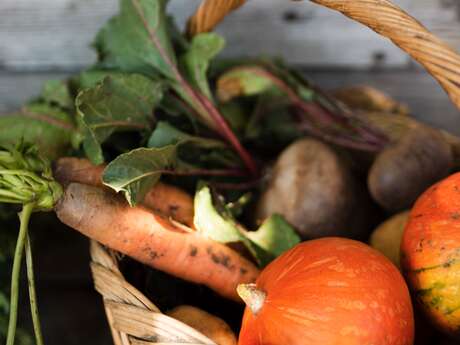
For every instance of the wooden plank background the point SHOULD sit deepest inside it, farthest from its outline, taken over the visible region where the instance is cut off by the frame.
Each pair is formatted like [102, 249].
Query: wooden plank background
[44, 34]
[49, 39]
[42, 39]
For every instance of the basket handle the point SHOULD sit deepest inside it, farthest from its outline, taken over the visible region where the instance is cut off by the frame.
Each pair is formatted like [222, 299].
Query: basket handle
[382, 16]
[210, 13]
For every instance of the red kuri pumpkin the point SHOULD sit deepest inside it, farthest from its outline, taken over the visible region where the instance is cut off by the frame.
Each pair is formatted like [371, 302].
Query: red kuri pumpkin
[330, 291]
[430, 253]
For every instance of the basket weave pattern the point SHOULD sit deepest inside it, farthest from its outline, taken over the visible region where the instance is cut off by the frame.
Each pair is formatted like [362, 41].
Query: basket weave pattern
[133, 318]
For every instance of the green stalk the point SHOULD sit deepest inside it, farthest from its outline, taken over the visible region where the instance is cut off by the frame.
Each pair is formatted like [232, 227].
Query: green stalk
[9, 194]
[32, 175]
[12, 180]
[24, 218]
[32, 294]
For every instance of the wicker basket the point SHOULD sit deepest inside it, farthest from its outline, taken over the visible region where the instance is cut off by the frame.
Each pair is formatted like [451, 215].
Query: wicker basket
[133, 318]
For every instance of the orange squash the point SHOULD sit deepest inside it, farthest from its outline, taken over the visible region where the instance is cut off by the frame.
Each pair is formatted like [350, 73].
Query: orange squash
[430, 253]
[330, 291]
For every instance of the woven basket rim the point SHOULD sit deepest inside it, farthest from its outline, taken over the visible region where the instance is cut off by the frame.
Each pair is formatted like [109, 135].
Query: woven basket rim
[132, 317]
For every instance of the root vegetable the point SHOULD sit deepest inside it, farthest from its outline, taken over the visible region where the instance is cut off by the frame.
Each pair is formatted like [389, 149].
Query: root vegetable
[396, 126]
[404, 170]
[153, 240]
[314, 190]
[454, 143]
[369, 99]
[386, 238]
[211, 326]
[430, 253]
[330, 291]
[168, 200]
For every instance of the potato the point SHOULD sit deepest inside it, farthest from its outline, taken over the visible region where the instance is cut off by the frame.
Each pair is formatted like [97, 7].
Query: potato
[393, 126]
[313, 188]
[402, 171]
[211, 326]
[369, 99]
[386, 238]
[454, 143]
[396, 126]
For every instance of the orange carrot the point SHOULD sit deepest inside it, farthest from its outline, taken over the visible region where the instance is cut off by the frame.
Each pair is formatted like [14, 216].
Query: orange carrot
[165, 199]
[153, 240]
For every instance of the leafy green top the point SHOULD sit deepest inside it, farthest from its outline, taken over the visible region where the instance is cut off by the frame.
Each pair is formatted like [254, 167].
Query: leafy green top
[118, 103]
[273, 237]
[138, 40]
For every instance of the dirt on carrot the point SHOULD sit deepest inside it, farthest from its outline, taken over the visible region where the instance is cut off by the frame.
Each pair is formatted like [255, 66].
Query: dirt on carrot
[153, 240]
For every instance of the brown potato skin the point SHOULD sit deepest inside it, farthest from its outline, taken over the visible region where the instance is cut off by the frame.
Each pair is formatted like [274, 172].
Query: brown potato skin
[405, 169]
[312, 187]
[367, 98]
[211, 326]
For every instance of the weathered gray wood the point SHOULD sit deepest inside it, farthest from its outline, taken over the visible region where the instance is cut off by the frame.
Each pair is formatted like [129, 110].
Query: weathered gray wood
[17, 88]
[417, 89]
[38, 34]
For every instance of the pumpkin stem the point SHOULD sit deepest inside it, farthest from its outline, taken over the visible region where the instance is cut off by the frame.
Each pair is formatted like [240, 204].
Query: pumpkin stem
[252, 296]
